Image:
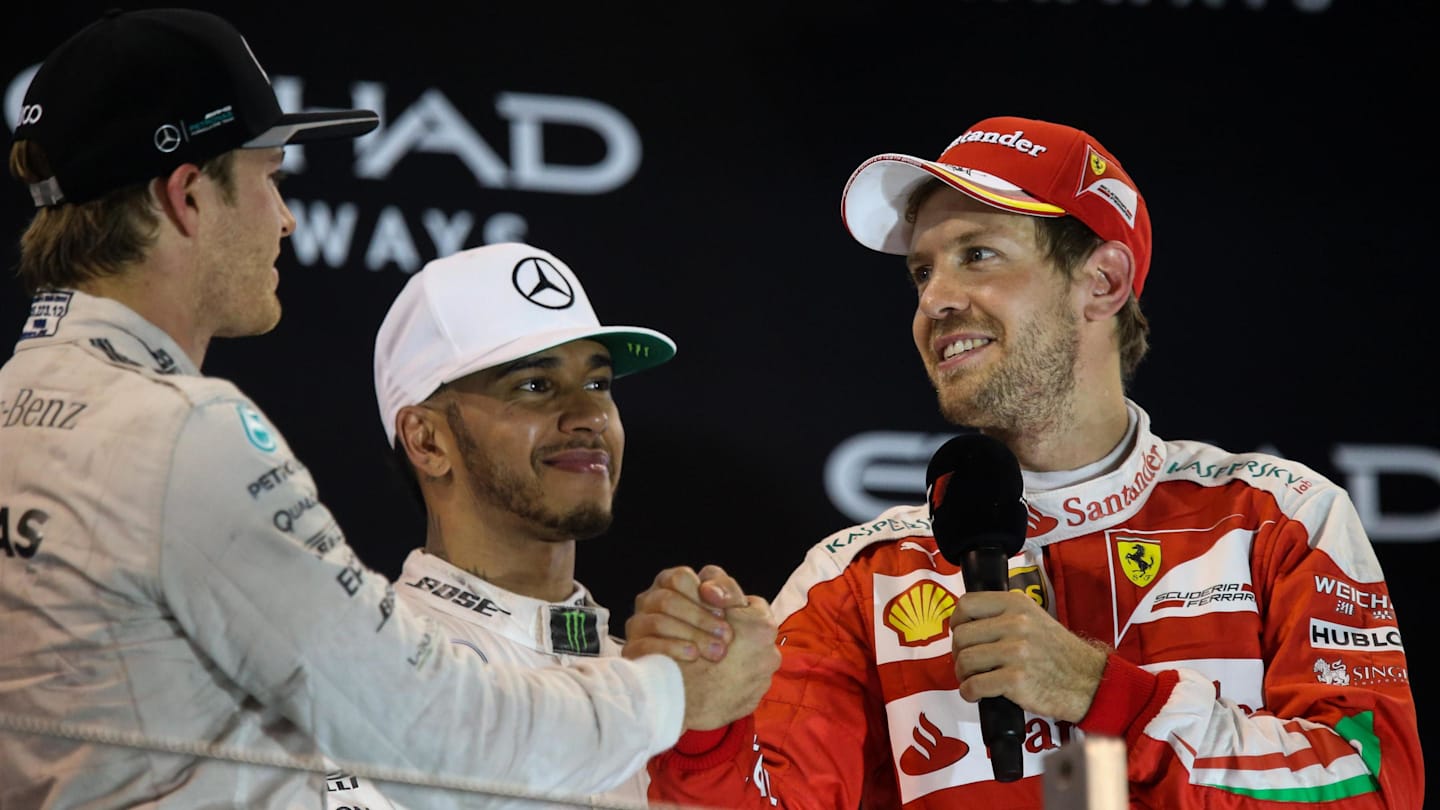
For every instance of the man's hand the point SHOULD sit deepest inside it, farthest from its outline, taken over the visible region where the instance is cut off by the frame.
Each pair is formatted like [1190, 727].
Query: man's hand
[682, 615]
[723, 640]
[1005, 644]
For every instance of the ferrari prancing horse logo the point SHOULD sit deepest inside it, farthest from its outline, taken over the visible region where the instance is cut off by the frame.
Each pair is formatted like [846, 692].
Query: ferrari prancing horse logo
[1139, 559]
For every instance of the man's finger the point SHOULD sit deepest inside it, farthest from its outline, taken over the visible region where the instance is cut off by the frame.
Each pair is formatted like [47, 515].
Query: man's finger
[709, 631]
[681, 651]
[682, 579]
[718, 589]
[669, 603]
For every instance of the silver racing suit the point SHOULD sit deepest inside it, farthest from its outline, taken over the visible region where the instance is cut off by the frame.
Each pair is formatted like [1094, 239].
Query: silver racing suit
[167, 571]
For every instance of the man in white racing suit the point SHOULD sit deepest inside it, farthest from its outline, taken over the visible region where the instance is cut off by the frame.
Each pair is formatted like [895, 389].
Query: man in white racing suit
[185, 624]
[493, 376]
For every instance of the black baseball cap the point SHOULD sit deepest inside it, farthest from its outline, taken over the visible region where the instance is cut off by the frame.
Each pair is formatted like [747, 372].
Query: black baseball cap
[137, 93]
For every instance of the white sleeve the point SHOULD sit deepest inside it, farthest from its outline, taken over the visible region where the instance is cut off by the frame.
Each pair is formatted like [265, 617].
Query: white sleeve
[260, 577]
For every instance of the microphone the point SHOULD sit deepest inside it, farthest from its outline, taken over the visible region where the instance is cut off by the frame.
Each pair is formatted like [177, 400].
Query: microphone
[978, 516]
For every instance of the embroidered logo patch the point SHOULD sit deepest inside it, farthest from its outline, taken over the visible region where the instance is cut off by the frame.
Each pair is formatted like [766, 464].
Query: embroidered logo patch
[920, 614]
[46, 310]
[256, 430]
[574, 630]
[1139, 559]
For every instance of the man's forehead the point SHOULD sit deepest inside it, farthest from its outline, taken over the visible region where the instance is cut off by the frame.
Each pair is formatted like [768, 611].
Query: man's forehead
[962, 220]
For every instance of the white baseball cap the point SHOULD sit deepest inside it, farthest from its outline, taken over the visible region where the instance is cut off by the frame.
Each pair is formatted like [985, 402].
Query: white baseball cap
[485, 306]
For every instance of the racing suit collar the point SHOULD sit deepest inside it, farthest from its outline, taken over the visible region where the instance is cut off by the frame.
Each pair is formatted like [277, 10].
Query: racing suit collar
[522, 619]
[1036, 482]
[1091, 505]
[105, 326]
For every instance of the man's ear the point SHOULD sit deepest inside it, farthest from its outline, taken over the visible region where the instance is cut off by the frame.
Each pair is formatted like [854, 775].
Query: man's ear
[175, 195]
[1106, 278]
[427, 444]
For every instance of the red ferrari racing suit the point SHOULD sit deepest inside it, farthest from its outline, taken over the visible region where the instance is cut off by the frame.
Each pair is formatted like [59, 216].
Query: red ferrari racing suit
[1257, 658]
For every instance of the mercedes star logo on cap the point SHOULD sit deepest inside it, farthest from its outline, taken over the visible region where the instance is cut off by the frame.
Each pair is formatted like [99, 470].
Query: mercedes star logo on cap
[542, 283]
[167, 138]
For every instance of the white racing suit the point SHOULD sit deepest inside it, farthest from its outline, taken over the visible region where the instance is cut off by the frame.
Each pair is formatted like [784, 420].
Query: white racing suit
[498, 627]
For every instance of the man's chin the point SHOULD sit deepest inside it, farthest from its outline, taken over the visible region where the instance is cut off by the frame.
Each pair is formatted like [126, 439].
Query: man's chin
[958, 407]
[262, 323]
[584, 523]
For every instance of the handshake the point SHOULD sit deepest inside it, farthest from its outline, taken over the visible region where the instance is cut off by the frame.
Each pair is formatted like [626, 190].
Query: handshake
[723, 640]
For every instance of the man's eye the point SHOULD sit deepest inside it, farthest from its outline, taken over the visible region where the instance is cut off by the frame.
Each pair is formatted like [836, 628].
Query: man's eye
[920, 275]
[600, 384]
[978, 254]
[536, 385]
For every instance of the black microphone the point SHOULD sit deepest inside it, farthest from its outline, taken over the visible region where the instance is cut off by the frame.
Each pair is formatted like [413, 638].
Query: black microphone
[978, 516]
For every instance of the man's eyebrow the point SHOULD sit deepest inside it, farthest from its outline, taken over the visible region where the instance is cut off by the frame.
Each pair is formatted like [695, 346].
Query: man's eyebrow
[961, 240]
[546, 362]
[543, 362]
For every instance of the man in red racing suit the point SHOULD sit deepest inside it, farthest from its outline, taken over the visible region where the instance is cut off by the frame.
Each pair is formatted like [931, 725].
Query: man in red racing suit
[1223, 614]
[1257, 657]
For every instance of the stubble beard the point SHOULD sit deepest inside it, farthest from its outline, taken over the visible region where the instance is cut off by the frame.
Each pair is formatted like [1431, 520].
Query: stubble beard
[524, 498]
[1031, 391]
[238, 298]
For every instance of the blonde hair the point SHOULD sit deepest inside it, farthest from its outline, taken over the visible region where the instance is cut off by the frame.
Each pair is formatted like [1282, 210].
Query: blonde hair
[73, 242]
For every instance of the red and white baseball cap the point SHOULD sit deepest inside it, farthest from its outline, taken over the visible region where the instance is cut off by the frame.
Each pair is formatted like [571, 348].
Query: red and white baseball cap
[1015, 164]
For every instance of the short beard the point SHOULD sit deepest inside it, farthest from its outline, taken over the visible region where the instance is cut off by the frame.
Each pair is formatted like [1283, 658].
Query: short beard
[1032, 390]
[524, 499]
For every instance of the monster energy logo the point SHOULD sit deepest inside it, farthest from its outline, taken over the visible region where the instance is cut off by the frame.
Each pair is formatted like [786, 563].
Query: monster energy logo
[574, 630]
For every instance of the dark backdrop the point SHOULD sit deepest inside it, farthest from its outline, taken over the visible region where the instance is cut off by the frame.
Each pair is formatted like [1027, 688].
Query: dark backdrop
[688, 165]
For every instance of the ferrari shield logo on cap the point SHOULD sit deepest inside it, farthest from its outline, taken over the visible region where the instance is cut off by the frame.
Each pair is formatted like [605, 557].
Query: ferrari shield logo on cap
[1110, 187]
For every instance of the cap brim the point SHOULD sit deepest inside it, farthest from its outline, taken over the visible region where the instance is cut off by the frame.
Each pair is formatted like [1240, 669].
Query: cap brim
[315, 126]
[632, 349]
[876, 195]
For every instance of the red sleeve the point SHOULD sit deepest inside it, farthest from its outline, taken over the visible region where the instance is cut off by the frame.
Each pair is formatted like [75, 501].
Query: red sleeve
[1338, 725]
[818, 736]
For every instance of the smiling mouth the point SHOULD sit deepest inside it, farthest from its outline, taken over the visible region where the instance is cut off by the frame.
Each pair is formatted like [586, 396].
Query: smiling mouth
[583, 461]
[960, 347]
